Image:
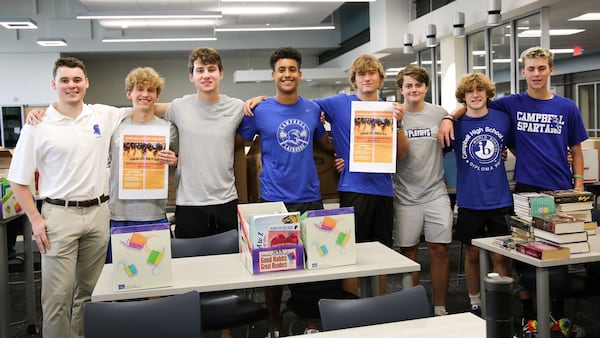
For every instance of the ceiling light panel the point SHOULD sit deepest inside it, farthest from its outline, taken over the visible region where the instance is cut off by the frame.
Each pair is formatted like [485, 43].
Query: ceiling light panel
[164, 39]
[268, 28]
[51, 42]
[18, 23]
[586, 17]
[159, 15]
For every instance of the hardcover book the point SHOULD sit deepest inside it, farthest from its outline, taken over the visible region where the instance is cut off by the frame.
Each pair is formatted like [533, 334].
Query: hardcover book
[561, 238]
[528, 204]
[570, 196]
[574, 248]
[558, 223]
[542, 250]
[575, 206]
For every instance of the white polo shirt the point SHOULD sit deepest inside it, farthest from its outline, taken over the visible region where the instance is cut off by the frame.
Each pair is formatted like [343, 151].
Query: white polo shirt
[70, 154]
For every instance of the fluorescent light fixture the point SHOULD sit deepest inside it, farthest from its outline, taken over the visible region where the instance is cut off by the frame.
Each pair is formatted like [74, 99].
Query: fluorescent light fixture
[586, 17]
[562, 51]
[160, 23]
[478, 52]
[142, 15]
[51, 42]
[478, 67]
[501, 61]
[269, 28]
[173, 39]
[297, 0]
[536, 33]
[18, 24]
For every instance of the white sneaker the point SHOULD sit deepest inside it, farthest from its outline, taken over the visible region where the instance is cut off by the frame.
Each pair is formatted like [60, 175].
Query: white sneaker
[310, 331]
[275, 334]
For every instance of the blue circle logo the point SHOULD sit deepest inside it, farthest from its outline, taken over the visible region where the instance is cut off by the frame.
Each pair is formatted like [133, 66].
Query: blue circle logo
[293, 135]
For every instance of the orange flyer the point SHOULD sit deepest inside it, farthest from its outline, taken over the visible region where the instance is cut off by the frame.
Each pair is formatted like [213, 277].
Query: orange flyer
[141, 174]
[373, 137]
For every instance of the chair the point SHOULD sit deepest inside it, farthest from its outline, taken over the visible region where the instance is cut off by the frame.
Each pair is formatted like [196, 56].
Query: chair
[304, 299]
[173, 316]
[401, 305]
[221, 309]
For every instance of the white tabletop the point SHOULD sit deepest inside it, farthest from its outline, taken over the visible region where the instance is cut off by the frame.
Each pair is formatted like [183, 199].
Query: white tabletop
[592, 256]
[461, 325]
[226, 272]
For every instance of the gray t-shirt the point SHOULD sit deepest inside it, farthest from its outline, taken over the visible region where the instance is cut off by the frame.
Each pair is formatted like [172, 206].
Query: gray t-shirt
[135, 209]
[419, 176]
[206, 137]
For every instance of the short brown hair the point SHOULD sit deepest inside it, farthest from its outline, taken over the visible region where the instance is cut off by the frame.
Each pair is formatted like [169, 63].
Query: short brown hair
[206, 55]
[475, 80]
[416, 72]
[69, 62]
[537, 52]
[144, 76]
[364, 63]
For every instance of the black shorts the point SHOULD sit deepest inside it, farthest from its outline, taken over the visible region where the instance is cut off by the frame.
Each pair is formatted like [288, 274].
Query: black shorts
[202, 221]
[301, 207]
[373, 216]
[481, 223]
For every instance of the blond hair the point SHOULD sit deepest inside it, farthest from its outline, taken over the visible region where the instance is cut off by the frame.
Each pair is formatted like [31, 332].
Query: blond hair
[144, 76]
[475, 80]
[364, 63]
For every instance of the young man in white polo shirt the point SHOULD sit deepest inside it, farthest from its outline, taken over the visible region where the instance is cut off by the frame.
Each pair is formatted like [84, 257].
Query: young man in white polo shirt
[70, 150]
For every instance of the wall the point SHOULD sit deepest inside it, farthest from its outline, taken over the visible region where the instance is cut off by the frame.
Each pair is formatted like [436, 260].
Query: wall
[26, 78]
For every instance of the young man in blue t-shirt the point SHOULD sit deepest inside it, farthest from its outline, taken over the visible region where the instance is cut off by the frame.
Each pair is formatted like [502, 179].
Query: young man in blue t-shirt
[483, 193]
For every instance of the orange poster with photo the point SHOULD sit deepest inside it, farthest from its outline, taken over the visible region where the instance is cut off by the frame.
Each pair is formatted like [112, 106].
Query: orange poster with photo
[373, 137]
[141, 174]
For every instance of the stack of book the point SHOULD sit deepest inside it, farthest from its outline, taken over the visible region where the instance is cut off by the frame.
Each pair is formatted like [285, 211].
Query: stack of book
[561, 230]
[519, 228]
[576, 203]
[530, 204]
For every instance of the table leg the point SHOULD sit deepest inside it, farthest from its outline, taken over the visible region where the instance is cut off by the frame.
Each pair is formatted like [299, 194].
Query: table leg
[543, 302]
[484, 268]
[29, 278]
[4, 303]
[407, 280]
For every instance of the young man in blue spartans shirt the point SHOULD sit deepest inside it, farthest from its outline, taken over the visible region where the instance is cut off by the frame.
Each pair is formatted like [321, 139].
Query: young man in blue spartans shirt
[483, 193]
[546, 126]
[288, 125]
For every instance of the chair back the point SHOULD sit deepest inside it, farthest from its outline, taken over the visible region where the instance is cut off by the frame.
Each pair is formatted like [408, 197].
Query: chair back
[173, 316]
[401, 305]
[222, 243]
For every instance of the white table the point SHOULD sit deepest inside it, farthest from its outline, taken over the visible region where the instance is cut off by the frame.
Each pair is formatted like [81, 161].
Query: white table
[226, 272]
[461, 325]
[541, 274]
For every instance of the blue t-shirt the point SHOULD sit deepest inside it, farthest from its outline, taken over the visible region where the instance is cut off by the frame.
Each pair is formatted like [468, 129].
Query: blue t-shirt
[338, 109]
[543, 131]
[481, 177]
[287, 134]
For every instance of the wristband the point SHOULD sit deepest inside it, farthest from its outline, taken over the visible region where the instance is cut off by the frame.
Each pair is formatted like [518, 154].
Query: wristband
[449, 117]
[577, 176]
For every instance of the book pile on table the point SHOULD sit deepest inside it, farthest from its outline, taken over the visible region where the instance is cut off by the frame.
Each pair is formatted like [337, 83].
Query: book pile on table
[550, 224]
[529, 204]
[561, 230]
[576, 203]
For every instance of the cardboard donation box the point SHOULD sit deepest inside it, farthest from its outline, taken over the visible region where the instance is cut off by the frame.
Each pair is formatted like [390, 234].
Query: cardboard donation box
[269, 238]
[141, 256]
[329, 237]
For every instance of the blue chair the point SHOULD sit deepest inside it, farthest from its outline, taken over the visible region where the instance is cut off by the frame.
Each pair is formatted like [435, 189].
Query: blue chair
[173, 316]
[401, 305]
[221, 309]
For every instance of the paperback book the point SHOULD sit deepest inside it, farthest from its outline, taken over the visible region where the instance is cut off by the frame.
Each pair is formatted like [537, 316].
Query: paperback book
[543, 250]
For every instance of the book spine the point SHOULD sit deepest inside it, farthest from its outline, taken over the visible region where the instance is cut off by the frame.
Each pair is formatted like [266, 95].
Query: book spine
[543, 225]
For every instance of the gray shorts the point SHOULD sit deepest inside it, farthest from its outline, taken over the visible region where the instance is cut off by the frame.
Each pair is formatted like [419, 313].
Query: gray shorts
[433, 219]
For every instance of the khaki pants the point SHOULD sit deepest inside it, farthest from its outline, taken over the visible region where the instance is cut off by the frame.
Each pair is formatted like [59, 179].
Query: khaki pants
[71, 267]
